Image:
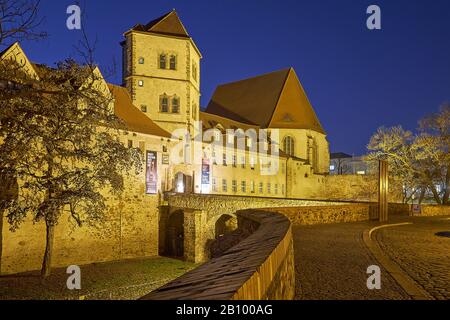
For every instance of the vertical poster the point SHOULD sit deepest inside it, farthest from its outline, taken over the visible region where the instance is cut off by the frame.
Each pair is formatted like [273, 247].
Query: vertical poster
[151, 177]
[205, 175]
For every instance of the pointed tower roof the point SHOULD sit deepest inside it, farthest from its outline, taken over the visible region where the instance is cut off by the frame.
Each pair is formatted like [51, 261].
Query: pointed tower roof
[273, 100]
[168, 24]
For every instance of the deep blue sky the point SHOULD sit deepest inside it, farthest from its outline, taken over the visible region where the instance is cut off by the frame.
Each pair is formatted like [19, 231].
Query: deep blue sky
[356, 79]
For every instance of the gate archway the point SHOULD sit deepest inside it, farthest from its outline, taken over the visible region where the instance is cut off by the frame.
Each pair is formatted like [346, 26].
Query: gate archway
[224, 225]
[175, 235]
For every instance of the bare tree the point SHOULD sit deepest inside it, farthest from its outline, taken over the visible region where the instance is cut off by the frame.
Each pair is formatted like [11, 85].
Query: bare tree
[19, 20]
[422, 161]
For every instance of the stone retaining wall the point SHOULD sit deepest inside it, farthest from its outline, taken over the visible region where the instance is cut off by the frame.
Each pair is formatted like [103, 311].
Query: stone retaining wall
[328, 214]
[432, 211]
[426, 210]
[261, 267]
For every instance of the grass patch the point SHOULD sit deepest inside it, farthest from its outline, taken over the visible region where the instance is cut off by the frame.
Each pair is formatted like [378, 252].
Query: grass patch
[121, 280]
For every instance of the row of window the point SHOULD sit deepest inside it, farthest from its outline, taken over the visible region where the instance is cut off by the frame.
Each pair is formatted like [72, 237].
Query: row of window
[170, 62]
[165, 61]
[269, 188]
[243, 162]
[169, 104]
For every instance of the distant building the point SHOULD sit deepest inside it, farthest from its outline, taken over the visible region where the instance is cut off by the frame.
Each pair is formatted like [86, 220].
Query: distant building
[345, 164]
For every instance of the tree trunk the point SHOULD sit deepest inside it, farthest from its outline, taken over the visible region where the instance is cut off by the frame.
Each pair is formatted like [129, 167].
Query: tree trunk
[422, 194]
[1, 237]
[47, 262]
[435, 193]
[445, 199]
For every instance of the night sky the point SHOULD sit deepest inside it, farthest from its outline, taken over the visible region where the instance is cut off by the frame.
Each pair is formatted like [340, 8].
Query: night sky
[356, 79]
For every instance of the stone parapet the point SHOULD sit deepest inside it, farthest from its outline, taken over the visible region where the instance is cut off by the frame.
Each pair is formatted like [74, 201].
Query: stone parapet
[258, 268]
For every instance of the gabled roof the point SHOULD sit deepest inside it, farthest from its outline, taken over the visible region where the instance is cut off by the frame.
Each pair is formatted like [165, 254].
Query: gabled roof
[16, 53]
[210, 121]
[134, 119]
[168, 24]
[273, 100]
[340, 155]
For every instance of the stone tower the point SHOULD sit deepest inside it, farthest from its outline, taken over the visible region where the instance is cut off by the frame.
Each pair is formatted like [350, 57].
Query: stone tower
[161, 70]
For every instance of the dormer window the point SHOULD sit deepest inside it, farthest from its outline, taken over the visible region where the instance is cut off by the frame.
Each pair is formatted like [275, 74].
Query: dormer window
[141, 60]
[162, 61]
[173, 62]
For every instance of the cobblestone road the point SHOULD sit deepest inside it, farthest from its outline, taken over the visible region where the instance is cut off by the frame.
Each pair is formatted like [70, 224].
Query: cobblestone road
[424, 256]
[332, 262]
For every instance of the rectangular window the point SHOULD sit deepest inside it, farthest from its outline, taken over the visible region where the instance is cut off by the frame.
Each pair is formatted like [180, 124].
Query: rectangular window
[173, 62]
[162, 61]
[225, 159]
[214, 184]
[269, 188]
[224, 185]
[261, 187]
[243, 162]
[252, 163]
[276, 188]
[252, 187]
[164, 104]
[130, 143]
[175, 105]
[234, 186]
[141, 83]
[194, 71]
[234, 161]
[283, 189]
[244, 186]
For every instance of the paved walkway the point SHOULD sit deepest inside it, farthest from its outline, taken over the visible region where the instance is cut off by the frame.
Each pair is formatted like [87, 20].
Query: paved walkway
[424, 256]
[332, 260]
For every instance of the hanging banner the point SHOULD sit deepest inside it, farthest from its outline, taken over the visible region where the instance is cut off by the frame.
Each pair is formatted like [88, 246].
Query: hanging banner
[205, 172]
[151, 177]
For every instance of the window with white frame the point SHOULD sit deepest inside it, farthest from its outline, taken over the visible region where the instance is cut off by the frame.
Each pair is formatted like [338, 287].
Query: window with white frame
[224, 185]
[234, 186]
[244, 186]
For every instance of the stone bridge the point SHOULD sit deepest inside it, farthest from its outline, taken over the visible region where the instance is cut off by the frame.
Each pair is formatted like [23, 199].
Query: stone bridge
[190, 223]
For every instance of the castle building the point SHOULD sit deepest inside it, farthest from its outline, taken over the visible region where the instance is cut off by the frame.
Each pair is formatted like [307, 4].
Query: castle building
[160, 94]
[161, 70]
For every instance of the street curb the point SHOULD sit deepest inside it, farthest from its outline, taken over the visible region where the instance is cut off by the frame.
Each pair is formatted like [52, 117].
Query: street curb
[411, 287]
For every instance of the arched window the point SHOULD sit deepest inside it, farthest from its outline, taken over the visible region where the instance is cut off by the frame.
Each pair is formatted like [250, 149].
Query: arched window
[173, 62]
[289, 146]
[164, 103]
[162, 61]
[175, 105]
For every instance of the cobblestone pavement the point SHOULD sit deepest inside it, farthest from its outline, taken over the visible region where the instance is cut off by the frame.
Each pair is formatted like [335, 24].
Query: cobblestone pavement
[332, 261]
[424, 256]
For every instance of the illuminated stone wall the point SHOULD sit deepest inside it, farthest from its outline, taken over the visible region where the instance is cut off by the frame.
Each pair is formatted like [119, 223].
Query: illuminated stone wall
[356, 188]
[203, 212]
[130, 230]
